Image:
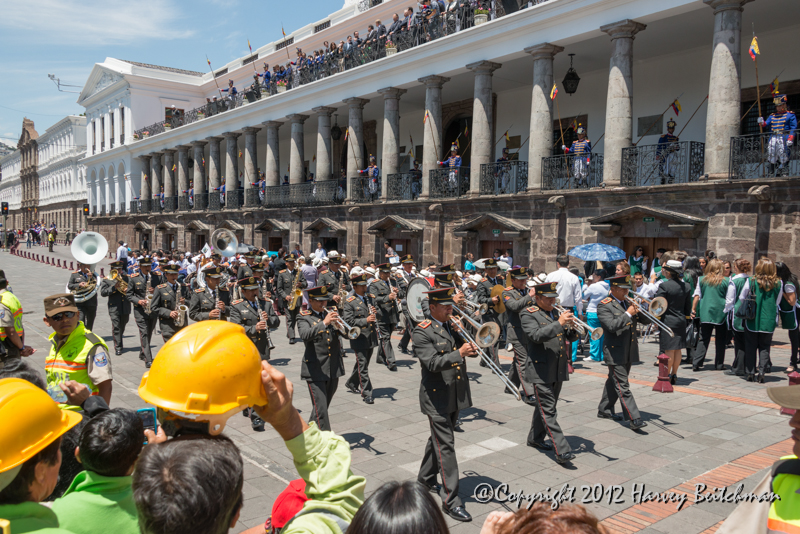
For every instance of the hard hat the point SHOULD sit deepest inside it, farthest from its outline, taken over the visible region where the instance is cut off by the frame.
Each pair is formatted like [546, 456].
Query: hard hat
[206, 372]
[32, 421]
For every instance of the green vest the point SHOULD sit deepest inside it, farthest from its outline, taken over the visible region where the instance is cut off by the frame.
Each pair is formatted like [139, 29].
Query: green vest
[787, 312]
[712, 302]
[783, 513]
[93, 501]
[689, 280]
[766, 308]
[31, 517]
[636, 265]
[69, 363]
[738, 322]
[10, 301]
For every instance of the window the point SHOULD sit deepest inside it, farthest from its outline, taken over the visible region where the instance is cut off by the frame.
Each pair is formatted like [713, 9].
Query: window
[250, 59]
[222, 72]
[319, 27]
[285, 43]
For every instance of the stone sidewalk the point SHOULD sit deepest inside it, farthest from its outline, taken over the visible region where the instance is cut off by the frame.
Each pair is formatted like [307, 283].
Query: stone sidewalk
[713, 428]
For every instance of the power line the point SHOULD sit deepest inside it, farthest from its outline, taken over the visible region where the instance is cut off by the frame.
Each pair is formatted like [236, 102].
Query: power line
[30, 112]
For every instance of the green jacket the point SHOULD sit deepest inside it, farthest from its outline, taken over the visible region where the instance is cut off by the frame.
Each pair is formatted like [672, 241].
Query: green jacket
[31, 517]
[93, 502]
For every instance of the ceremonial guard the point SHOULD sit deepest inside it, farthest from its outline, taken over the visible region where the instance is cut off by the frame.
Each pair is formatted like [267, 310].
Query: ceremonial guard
[444, 391]
[77, 281]
[385, 296]
[666, 154]
[142, 285]
[166, 301]
[454, 164]
[335, 279]
[782, 124]
[549, 336]
[516, 298]
[616, 317]
[359, 311]
[290, 279]
[322, 360]
[119, 307]
[485, 297]
[581, 149]
[373, 173]
[212, 301]
[406, 275]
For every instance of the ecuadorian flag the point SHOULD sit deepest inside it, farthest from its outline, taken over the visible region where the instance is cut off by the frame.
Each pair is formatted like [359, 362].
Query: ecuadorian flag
[553, 92]
[754, 48]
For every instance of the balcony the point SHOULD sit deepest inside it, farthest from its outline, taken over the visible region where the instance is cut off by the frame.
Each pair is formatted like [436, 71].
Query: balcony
[668, 163]
[365, 189]
[215, 201]
[121, 139]
[201, 201]
[763, 156]
[254, 197]
[111, 210]
[122, 208]
[185, 203]
[170, 204]
[572, 172]
[404, 186]
[504, 178]
[234, 199]
[450, 182]
[307, 194]
[136, 206]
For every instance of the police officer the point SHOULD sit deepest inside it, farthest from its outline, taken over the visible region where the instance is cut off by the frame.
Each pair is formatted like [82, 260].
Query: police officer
[517, 297]
[359, 310]
[211, 302]
[140, 285]
[485, 287]
[285, 287]
[406, 275]
[322, 359]
[119, 307]
[444, 391]
[616, 317]
[334, 279]
[166, 299]
[385, 297]
[548, 334]
[79, 280]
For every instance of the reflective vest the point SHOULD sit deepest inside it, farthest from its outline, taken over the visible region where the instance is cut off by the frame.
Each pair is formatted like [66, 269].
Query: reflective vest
[68, 362]
[14, 307]
[784, 514]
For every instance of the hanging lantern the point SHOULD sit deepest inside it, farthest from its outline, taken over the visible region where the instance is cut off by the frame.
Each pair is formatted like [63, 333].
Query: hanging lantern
[571, 80]
[336, 132]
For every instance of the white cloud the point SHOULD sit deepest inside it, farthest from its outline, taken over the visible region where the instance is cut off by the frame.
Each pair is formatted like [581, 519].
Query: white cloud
[96, 22]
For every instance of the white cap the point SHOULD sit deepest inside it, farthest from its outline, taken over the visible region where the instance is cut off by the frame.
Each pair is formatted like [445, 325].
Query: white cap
[333, 254]
[356, 271]
[476, 278]
[424, 273]
[459, 274]
[317, 262]
[370, 271]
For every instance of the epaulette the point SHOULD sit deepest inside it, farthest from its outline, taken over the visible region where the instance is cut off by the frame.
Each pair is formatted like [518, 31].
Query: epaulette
[532, 309]
[424, 324]
[161, 286]
[371, 296]
[223, 289]
[351, 299]
[483, 279]
[201, 290]
[606, 300]
[509, 288]
[305, 312]
[282, 271]
[237, 301]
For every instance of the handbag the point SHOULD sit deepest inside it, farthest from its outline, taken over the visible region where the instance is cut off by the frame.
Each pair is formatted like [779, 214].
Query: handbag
[692, 333]
[747, 310]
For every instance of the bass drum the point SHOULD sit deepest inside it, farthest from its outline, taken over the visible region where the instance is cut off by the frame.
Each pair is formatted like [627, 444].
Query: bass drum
[415, 294]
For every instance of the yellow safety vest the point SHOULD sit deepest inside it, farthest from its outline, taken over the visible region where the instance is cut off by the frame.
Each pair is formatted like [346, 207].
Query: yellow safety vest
[10, 301]
[784, 514]
[69, 363]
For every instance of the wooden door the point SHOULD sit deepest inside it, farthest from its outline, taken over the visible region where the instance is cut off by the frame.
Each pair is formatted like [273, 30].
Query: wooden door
[649, 244]
[200, 241]
[487, 248]
[274, 244]
[400, 246]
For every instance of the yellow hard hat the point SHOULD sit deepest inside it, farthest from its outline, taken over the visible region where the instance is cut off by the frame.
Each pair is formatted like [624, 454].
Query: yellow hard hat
[210, 368]
[31, 421]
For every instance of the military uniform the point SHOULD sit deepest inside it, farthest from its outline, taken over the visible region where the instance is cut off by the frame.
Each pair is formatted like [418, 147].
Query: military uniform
[119, 307]
[581, 150]
[333, 280]
[388, 317]
[204, 300]
[402, 285]
[284, 287]
[322, 360]
[88, 308]
[548, 355]
[666, 155]
[248, 314]
[485, 297]
[516, 300]
[444, 391]
[166, 299]
[782, 126]
[355, 312]
[138, 289]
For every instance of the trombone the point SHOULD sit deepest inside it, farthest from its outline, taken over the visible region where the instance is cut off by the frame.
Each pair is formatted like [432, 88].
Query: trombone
[579, 325]
[656, 306]
[352, 332]
[653, 319]
[486, 335]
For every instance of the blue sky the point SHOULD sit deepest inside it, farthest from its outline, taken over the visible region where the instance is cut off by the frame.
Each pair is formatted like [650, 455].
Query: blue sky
[67, 37]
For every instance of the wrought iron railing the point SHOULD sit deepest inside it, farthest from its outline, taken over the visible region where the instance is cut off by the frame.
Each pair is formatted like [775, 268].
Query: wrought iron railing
[215, 201]
[94, 212]
[572, 172]
[185, 203]
[157, 204]
[504, 178]
[662, 164]
[112, 210]
[121, 139]
[763, 156]
[365, 189]
[201, 201]
[135, 207]
[170, 204]
[102, 211]
[404, 186]
[234, 199]
[253, 197]
[449, 182]
[146, 205]
[364, 5]
[306, 194]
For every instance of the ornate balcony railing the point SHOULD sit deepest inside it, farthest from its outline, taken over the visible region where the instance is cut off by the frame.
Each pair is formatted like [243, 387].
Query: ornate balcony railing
[94, 212]
[201, 200]
[307, 194]
[364, 5]
[253, 197]
[667, 163]
[170, 204]
[146, 205]
[157, 204]
[111, 210]
[234, 199]
[449, 182]
[763, 156]
[572, 172]
[135, 207]
[504, 178]
[404, 186]
[122, 208]
[102, 211]
[215, 201]
[185, 203]
[365, 189]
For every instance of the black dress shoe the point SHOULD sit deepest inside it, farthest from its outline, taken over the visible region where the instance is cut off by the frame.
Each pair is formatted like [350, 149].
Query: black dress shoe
[566, 457]
[403, 350]
[696, 368]
[636, 424]
[292, 341]
[393, 368]
[655, 363]
[369, 400]
[459, 513]
[731, 372]
[141, 357]
[768, 369]
[433, 488]
[118, 352]
[380, 362]
[148, 364]
[246, 412]
[541, 445]
[760, 378]
[352, 388]
[615, 417]
[751, 378]
[720, 367]
[257, 423]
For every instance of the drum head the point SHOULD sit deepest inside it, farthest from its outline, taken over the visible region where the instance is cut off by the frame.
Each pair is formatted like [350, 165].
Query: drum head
[415, 294]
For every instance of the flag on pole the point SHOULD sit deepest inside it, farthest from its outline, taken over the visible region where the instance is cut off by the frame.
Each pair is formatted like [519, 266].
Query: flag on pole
[773, 87]
[553, 92]
[458, 144]
[314, 158]
[507, 138]
[250, 47]
[282, 31]
[173, 168]
[574, 124]
[209, 62]
[240, 153]
[754, 48]
[466, 131]
[676, 107]
[425, 119]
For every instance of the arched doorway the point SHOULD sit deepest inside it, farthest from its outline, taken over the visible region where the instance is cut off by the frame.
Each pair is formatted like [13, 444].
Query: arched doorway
[458, 129]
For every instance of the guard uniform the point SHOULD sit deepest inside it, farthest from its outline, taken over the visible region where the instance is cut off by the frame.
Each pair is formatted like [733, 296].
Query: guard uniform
[618, 331]
[322, 359]
[166, 299]
[139, 286]
[285, 286]
[581, 149]
[388, 316]
[516, 300]
[373, 173]
[119, 307]
[782, 125]
[402, 285]
[666, 155]
[549, 352]
[355, 312]
[444, 391]
[248, 314]
[453, 163]
[88, 308]
[485, 297]
[204, 300]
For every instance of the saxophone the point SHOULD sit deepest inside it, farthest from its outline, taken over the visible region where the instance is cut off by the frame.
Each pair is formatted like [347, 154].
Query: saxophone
[297, 293]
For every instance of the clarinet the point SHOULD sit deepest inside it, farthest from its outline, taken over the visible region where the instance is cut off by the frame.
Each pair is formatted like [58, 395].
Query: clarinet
[265, 318]
[374, 310]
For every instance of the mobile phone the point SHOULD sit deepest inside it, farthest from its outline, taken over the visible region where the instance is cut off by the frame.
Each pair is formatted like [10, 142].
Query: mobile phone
[148, 417]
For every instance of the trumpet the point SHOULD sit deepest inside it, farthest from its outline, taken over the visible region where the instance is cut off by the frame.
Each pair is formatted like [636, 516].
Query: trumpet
[653, 319]
[486, 334]
[656, 306]
[493, 366]
[579, 325]
[352, 332]
[123, 285]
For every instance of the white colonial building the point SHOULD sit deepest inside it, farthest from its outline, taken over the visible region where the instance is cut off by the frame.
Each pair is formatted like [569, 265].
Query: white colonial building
[11, 187]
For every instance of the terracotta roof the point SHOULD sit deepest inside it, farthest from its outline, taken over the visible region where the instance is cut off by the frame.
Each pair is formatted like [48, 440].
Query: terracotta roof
[167, 69]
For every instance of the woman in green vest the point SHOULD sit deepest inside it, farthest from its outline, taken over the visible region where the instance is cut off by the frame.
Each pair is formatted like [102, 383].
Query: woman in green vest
[638, 261]
[708, 305]
[788, 310]
[741, 268]
[766, 289]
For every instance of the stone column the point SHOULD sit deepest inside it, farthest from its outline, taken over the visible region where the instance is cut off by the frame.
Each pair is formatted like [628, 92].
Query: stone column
[126, 113]
[541, 127]
[481, 140]
[250, 157]
[169, 174]
[100, 201]
[432, 129]
[155, 175]
[724, 88]
[297, 173]
[145, 192]
[323, 168]
[355, 141]
[619, 102]
[107, 191]
[107, 129]
[117, 124]
[231, 168]
[390, 156]
[273, 164]
[199, 182]
[183, 170]
[214, 163]
[89, 138]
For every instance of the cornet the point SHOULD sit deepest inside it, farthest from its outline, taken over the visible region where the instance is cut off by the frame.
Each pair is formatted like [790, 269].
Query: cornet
[579, 325]
[352, 332]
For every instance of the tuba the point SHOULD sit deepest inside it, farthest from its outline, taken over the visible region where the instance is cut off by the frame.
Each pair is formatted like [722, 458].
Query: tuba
[88, 248]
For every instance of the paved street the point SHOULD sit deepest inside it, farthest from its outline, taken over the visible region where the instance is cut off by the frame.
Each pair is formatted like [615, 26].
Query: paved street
[714, 429]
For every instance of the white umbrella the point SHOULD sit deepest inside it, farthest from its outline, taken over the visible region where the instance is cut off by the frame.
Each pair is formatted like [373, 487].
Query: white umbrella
[480, 264]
